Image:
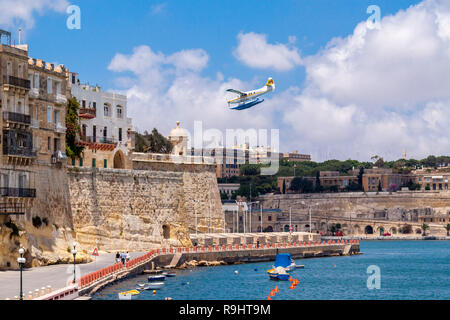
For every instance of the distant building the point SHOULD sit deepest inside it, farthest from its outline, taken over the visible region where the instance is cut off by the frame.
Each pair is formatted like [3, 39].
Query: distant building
[106, 131]
[295, 156]
[228, 188]
[326, 178]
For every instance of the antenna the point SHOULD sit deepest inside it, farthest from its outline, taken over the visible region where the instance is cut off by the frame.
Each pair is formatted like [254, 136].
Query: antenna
[20, 36]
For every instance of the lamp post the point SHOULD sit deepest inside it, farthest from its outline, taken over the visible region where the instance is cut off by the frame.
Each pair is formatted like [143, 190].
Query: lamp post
[21, 261]
[74, 252]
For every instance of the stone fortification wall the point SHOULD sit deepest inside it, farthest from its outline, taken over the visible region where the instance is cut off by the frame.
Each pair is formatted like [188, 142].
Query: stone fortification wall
[140, 209]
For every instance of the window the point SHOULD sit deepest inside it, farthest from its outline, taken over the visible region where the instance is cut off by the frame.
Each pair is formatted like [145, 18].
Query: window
[105, 163]
[56, 117]
[49, 85]
[19, 72]
[49, 114]
[73, 161]
[8, 69]
[119, 112]
[269, 218]
[83, 103]
[81, 162]
[36, 80]
[30, 78]
[120, 134]
[106, 110]
[73, 79]
[93, 163]
[94, 105]
[49, 144]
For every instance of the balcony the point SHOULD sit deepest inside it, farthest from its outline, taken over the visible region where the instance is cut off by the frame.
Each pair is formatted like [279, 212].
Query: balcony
[16, 82]
[18, 192]
[87, 113]
[104, 140]
[16, 117]
[19, 151]
[58, 127]
[61, 99]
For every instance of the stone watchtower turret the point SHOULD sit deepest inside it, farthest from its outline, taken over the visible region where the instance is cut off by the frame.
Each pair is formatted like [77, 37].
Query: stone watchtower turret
[179, 139]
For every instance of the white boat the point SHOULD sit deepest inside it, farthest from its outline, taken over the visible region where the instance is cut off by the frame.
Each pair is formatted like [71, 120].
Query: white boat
[154, 285]
[127, 294]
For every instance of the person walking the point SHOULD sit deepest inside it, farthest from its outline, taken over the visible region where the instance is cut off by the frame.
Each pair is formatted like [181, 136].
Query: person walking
[128, 256]
[122, 258]
[117, 257]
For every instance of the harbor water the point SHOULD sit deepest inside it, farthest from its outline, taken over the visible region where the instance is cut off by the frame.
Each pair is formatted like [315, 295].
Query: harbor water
[408, 270]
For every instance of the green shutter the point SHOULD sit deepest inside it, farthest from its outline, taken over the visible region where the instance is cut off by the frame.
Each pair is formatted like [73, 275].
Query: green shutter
[93, 163]
[105, 163]
[81, 162]
[73, 161]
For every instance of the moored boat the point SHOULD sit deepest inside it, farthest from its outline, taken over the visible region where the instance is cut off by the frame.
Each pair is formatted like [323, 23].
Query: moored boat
[126, 295]
[284, 260]
[157, 278]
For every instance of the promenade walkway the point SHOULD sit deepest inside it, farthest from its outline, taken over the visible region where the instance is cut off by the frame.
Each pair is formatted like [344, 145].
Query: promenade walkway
[55, 276]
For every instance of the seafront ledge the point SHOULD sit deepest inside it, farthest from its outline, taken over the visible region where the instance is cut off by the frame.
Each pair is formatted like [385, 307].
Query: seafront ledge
[228, 254]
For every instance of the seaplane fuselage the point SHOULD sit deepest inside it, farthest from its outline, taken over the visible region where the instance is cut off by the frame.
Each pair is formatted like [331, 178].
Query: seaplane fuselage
[251, 98]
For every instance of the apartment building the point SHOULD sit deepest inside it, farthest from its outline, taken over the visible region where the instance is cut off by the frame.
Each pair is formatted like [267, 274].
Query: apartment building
[106, 131]
[17, 151]
[295, 156]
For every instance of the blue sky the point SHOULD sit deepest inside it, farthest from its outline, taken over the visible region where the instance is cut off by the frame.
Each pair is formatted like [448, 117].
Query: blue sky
[111, 26]
[344, 90]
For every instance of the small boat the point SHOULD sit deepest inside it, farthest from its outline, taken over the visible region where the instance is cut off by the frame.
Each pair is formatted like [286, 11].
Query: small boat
[126, 295]
[154, 285]
[299, 266]
[171, 274]
[160, 277]
[278, 273]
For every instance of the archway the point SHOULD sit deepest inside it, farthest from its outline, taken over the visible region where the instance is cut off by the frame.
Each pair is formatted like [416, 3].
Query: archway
[286, 228]
[393, 230]
[166, 231]
[119, 160]
[381, 231]
[268, 229]
[418, 231]
[368, 230]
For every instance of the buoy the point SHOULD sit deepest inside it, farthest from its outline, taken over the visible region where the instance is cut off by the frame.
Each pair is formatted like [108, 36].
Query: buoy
[236, 272]
[290, 278]
[154, 291]
[268, 298]
[256, 269]
[335, 266]
[169, 298]
[272, 293]
[292, 286]
[276, 289]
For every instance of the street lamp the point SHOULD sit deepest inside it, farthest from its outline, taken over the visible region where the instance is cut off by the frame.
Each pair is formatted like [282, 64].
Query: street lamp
[304, 203]
[74, 252]
[21, 261]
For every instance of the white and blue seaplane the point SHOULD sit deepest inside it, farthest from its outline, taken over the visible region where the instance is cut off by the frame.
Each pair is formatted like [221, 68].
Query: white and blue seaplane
[251, 98]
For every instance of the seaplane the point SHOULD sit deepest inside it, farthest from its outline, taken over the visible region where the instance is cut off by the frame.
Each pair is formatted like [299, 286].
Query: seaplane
[251, 98]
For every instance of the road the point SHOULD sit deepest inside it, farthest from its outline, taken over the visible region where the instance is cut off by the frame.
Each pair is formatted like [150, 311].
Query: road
[56, 276]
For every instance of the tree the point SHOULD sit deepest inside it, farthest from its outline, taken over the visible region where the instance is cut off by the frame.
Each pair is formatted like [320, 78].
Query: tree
[318, 186]
[250, 170]
[360, 178]
[301, 184]
[73, 129]
[424, 228]
[152, 142]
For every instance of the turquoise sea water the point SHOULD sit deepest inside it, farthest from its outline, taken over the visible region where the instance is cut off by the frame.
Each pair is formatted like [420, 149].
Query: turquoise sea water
[409, 270]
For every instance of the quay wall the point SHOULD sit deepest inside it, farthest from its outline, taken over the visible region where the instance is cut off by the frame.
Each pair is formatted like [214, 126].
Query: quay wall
[136, 210]
[232, 256]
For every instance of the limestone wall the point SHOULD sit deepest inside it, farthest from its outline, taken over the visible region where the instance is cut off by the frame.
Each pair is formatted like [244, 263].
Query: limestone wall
[397, 207]
[140, 209]
[48, 243]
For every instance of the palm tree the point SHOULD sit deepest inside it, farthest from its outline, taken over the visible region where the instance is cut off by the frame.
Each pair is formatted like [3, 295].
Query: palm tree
[424, 228]
[447, 227]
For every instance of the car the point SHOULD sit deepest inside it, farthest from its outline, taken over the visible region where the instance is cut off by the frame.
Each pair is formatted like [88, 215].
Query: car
[386, 234]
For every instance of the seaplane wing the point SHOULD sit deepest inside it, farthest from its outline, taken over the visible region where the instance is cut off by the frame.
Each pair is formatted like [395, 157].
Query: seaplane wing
[240, 93]
[251, 98]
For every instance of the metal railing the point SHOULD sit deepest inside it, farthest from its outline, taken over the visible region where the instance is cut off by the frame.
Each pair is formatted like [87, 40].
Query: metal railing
[18, 82]
[91, 139]
[16, 117]
[18, 192]
[19, 151]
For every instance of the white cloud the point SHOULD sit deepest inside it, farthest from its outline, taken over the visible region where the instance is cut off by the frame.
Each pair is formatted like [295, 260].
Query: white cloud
[254, 51]
[158, 8]
[20, 13]
[378, 91]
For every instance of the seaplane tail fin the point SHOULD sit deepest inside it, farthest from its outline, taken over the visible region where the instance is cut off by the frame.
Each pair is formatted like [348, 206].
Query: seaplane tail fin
[270, 82]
